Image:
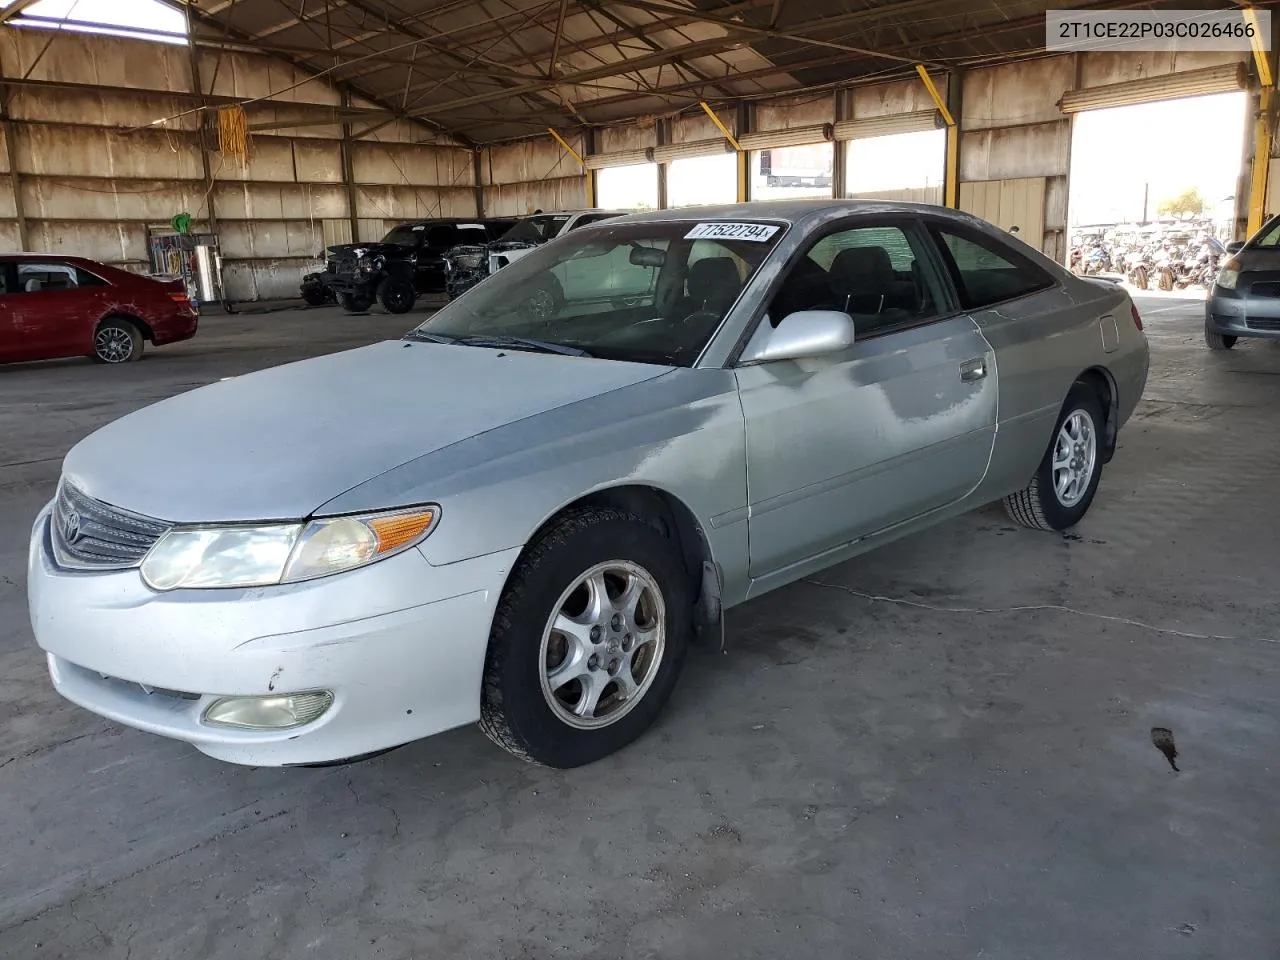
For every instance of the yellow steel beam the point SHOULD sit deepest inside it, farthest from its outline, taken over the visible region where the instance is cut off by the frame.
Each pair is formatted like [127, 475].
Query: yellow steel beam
[744, 175]
[568, 149]
[951, 188]
[1264, 129]
[1260, 55]
[937, 97]
[733, 141]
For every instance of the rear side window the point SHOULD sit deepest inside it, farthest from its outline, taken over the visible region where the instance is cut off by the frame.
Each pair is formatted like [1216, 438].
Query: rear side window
[985, 272]
[42, 277]
[86, 279]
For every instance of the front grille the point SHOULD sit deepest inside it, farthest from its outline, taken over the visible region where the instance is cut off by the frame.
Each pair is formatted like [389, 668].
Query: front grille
[1253, 324]
[1270, 288]
[88, 534]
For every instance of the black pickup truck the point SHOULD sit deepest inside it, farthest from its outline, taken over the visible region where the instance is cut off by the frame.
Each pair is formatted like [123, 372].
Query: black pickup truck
[405, 264]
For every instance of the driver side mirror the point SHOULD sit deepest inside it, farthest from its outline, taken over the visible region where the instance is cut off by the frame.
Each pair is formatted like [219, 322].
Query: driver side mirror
[1235, 246]
[806, 333]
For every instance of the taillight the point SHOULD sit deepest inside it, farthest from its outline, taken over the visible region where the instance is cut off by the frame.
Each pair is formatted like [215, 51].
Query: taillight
[1137, 317]
[180, 298]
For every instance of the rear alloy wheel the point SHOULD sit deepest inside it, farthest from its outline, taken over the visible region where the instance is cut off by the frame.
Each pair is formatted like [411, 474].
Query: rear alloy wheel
[588, 639]
[397, 295]
[117, 341]
[544, 301]
[1219, 341]
[1060, 493]
[355, 303]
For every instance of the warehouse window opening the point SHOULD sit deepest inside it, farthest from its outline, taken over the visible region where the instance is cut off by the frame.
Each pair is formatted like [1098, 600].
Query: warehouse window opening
[786, 173]
[698, 181]
[1154, 192]
[137, 19]
[633, 187]
[898, 166]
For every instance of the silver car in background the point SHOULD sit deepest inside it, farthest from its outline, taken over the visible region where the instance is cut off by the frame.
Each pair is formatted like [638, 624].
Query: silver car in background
[1245, 300]
[526, 518]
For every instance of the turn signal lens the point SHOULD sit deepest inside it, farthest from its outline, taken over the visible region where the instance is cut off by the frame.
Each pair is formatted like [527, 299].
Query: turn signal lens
[396, 531]
[342, 543]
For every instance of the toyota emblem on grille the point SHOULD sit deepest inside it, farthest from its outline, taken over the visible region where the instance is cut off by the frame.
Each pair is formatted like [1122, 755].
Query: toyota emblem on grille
[71, 527]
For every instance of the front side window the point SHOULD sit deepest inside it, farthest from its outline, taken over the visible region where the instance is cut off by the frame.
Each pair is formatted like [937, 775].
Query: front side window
[876, 274]
[43, 277]
[986, 274]
[645, 292]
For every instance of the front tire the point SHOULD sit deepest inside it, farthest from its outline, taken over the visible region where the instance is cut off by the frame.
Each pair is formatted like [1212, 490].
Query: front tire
[313, 296]
[117, 341]
[1219, 341]
[355, 302]
[588, 640]
[545, 300]
[1060, 493]
[397, 295]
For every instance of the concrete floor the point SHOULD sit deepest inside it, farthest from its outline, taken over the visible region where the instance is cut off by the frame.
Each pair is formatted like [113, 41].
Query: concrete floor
[853, 778]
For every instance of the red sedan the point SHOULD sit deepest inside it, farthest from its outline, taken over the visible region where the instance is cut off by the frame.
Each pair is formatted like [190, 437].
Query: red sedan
[54, 306]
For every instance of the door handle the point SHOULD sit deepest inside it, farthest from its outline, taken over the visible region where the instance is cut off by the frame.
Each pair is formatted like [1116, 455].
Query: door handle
[975, 369]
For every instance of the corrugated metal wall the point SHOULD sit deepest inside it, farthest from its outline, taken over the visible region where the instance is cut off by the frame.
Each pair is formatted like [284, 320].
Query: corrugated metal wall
[93, 183]
[518, 178]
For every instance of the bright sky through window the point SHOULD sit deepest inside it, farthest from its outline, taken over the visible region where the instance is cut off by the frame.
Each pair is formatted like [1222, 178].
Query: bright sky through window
[144, 19]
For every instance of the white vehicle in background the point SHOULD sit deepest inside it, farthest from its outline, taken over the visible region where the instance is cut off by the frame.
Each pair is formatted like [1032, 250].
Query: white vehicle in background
[468, 265]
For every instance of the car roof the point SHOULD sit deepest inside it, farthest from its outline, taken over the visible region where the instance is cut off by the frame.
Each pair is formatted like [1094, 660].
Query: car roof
[793, 210]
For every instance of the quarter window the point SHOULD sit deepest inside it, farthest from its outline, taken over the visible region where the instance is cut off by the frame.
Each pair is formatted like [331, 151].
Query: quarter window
[985, 274]
[43, 277]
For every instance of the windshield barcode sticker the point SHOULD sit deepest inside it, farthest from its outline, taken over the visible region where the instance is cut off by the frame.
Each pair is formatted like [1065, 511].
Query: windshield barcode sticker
[755, 232]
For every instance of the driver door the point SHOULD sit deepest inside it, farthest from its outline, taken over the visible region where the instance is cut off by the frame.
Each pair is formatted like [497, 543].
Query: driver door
[840, 447]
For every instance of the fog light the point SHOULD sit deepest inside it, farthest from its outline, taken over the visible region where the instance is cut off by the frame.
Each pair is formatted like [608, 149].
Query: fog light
[268, 713]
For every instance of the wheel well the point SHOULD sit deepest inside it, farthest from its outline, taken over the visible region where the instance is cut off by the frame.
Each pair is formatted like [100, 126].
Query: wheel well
[677, 522]
[1101, 382]
[138, 322]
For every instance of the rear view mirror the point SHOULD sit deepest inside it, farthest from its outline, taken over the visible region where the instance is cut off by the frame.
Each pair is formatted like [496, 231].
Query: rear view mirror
[1235, 246]
[647, 257]
[807, 333]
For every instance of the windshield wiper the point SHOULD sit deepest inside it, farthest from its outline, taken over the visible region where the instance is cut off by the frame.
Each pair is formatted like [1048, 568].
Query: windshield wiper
[523, 343]
[425, 337]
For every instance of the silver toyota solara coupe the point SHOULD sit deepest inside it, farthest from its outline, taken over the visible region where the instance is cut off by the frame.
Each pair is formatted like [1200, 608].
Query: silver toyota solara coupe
[527, 509]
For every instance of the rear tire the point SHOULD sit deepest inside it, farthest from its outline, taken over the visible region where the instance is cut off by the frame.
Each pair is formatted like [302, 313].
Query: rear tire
[558, 697]
[117, 341]
[1060, 493]
[355, 302]
[543, 303]
[397, 295]
[1219, 341]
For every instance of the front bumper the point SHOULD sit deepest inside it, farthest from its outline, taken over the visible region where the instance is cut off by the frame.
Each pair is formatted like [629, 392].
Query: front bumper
[400, 644]
[1244, 315]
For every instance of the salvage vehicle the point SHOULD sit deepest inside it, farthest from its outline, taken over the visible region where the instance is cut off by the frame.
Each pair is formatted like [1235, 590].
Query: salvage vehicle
[54, 306]
[316, 292]
[406, 264]
[467, 265]
[1245, 298]
[527, 520]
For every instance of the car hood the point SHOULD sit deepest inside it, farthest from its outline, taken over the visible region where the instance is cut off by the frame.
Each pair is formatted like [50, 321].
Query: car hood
[279, 443]
[383, 249]
[1254, 260]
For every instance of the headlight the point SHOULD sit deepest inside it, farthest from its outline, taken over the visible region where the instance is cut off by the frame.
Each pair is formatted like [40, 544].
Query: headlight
[244, 556]
[1230, 275]
[372, 265]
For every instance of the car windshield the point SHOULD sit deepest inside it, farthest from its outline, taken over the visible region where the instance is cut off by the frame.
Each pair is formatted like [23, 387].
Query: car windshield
[404, 235]
[651, 292]
[536, 229]
[1270, 235]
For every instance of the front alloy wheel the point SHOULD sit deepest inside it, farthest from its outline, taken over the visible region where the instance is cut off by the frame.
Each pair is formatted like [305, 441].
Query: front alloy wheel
[588, 638]
[603, 645]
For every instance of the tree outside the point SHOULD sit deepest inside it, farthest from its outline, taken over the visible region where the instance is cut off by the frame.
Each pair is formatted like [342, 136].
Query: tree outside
[1188, 203]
